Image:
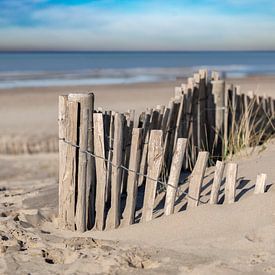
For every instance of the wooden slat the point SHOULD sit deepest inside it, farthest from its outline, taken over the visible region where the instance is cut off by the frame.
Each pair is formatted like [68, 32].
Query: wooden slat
[230, 183]
[127, 144]
[218, 89]
[101, 171]
[170, 133]
[62, 121]
[91, 173]
[161, 109]
[179, 128]
[202, 111]
[226, 117]
[210, 117]
[146, 127]
[85, 176]
[174, 176]
[110, 139]
[70, 175]
[155, 157]
[260, 184]
[214, 197]
[165, 120]
[81, 209]
[114, 214]
[197, 179]
[132, 184]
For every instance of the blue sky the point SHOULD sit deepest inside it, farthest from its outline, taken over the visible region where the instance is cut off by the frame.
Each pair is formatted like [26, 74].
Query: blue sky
[137, 25]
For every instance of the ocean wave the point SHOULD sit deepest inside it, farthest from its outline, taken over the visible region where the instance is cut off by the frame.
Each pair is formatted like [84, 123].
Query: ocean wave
[18, 79]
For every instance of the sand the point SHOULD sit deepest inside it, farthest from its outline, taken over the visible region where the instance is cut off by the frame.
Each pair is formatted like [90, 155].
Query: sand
[221, 239]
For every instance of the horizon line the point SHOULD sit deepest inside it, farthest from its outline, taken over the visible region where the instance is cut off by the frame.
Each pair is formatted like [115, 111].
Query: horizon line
[130, 51]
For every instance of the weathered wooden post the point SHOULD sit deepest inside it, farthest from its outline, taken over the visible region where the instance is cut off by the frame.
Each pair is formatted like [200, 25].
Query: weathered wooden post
[75, 170]
[260, 184]
[132, 181]
[174, 176]
[101, 171]
[201, 113]
[62, 121]
[155, 161]
[218, 90]
[197, 179]
[114, 214]
[85, 177]
[230, 183]
[217, 182]
[68, 118]
[145, 139]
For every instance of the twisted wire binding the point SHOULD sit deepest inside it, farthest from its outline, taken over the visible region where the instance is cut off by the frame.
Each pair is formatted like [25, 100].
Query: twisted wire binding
[130, 170]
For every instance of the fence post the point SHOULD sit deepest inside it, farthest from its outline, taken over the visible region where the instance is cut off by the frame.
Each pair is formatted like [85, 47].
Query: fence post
[132, 184]
[62, 121]
[178, 130]
[174, 176]
[230, 183]
[145, 139]
[101, 173]
[260, 184]
[128, 128]
[196, 180]
[217, 182]
[155, 159]
[218, 88]
[84, 162]
[110, 157]
[170, 133]
[114, 214]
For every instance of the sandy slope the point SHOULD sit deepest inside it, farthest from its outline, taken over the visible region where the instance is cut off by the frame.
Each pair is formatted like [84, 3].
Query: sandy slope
[222, 239]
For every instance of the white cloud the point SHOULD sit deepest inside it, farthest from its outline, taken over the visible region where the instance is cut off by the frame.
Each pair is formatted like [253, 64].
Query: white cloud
[90, 28]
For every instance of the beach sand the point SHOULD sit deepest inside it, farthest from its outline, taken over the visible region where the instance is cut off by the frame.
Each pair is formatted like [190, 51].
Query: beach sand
[223, 239]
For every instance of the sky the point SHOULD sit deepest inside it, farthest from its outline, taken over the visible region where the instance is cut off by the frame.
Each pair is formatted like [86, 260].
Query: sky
[105, 25]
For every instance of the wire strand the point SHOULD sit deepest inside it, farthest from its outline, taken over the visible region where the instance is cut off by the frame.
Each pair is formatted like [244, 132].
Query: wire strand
[130, 170]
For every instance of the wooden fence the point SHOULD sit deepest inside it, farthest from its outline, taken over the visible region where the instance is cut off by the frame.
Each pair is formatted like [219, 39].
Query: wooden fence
[110, 162]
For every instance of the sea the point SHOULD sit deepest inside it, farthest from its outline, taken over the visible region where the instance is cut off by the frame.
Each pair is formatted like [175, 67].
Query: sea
[42, 69]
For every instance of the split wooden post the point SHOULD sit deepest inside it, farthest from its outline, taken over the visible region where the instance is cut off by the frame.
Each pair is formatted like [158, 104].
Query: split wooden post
[170, 133]
[128, 127]
[132, 181]
[101, 172]
[71, 166]
[226, 117]
[161, 109]
[174, 176]
[217, 182]
[230, 183]
[201, 110]
[68, 162]
[62, 121]
[197, 179]
[145, 139]
[179, 128]
[260, 184]
[81, 208]
[110, 157]
[155, 158]
[84, 179]
[114, 212]
[91, 173]
[218, 88]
